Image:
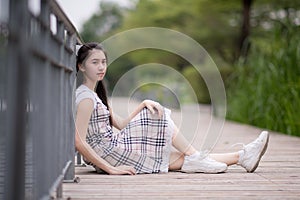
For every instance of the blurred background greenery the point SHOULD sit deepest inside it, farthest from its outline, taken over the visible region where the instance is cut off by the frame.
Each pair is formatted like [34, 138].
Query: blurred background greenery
[255, 45]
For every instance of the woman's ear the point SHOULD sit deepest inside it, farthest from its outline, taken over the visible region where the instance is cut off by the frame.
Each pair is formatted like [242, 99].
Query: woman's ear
[81, 68]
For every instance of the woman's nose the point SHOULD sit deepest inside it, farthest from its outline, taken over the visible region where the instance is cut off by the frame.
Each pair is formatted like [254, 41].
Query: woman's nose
[102, 67]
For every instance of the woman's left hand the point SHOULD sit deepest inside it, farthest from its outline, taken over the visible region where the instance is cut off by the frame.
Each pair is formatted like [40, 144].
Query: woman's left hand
[154, 107]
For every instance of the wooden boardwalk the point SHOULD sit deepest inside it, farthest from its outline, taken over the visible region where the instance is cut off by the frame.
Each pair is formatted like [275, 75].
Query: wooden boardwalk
[277, 177]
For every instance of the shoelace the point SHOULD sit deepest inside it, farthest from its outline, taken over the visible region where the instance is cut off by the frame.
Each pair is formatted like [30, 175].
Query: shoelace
[203, 154]
[238, 144]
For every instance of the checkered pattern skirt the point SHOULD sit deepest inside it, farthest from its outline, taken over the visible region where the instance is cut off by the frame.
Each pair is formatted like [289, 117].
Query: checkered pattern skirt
[144, 143]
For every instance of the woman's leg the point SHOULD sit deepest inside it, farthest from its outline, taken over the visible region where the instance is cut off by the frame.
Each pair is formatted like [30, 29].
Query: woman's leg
[176, 160]
[185, 148]
[181, 144]
[204, 165]
[228, 158]
[249, 156]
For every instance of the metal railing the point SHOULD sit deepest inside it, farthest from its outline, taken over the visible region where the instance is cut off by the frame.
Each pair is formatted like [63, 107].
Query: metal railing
[36, 87]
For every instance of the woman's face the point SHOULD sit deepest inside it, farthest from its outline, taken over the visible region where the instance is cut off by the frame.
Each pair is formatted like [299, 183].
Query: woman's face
[94, 66]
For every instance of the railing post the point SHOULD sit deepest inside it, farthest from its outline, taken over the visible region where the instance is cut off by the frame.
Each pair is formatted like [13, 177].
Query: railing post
[4, 12]
[17, 78]
[37, 148]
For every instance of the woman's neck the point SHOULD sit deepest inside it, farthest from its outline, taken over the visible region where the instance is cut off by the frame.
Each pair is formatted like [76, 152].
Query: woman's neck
[90, 85]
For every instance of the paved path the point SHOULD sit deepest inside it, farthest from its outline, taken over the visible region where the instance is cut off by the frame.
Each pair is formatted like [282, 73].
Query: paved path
[277, 177]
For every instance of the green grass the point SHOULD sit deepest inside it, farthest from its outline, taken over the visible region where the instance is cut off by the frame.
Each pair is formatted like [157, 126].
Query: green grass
[265, 90]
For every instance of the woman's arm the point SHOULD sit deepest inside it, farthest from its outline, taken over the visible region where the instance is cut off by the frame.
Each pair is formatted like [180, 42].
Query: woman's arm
[84, 112]
[153, 106]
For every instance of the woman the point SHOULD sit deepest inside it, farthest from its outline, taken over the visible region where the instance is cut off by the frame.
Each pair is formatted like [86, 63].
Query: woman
[143, 144]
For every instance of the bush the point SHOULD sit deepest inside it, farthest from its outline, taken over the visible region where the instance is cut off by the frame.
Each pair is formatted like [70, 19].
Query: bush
[266, 90]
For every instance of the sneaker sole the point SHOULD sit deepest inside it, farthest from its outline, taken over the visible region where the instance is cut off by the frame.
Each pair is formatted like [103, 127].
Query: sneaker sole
[203, 172]
[260, 155]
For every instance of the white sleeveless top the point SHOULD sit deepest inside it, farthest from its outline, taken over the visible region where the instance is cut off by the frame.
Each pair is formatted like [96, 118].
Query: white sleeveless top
[83, 92]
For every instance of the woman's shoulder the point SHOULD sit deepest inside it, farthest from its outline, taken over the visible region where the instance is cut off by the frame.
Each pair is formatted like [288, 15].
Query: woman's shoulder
[83, 92]
[82, 89]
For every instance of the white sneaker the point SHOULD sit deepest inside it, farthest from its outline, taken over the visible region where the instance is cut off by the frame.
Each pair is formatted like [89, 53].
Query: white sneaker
[203, 164]
[251, 154]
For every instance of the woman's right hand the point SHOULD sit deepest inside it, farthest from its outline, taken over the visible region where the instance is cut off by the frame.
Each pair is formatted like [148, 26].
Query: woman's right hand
[154, 106]
[122, 169]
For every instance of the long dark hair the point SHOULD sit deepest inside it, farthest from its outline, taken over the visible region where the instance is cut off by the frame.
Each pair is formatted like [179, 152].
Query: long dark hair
[82, 54]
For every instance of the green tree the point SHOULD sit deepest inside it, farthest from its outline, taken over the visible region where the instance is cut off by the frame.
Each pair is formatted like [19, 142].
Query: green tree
[212, 23]
[104, 22]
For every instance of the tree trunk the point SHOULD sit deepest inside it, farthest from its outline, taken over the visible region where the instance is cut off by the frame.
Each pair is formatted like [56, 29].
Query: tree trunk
[244, 43]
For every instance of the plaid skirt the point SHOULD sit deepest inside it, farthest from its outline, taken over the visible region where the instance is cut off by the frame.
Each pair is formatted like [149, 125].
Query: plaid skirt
[144, 143]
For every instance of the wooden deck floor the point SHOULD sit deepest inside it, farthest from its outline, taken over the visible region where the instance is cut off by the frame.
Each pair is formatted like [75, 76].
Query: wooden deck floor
[277, 177]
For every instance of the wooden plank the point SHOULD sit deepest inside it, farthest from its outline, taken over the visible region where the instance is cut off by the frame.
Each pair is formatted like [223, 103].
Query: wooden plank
[277, 177]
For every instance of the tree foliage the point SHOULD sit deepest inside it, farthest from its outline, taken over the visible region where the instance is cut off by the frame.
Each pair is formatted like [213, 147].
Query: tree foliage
[104, 22]
[211, 23]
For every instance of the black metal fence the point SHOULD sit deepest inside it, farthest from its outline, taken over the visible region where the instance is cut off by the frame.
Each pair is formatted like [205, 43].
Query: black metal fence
[36, 82]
